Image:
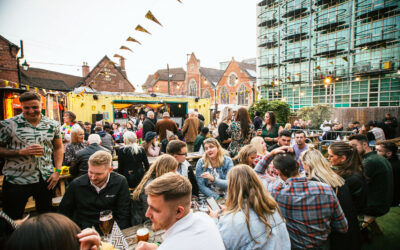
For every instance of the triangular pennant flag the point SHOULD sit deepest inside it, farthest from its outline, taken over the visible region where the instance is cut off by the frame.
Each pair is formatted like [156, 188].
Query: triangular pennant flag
[36, 90]
[16, 85]
[6, 83]
[345, 58]
[140, 28]
[124, 47]
[151, 17]
[180, 1]
[131, 39]
[331, 62]
[318, 67]
[112, 63]
[27, 87]
[298, 74]
[116, 55]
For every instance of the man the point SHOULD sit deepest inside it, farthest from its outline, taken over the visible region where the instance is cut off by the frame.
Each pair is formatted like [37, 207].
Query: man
[311, 208]
[177, 149]
[80, 166]
[106, 138]
[101, 189]
[87, 129]
[257, 121]
[378, 132]
[27, 143]
[295, 125]
[169, 199]
[148, 124]
[300, 146]
[201, 123]
[391, 122]
[190, 130]
[388, 150]
[198, 142]
[200, 116]
[165, 124]
[379, 175]
[284, 140]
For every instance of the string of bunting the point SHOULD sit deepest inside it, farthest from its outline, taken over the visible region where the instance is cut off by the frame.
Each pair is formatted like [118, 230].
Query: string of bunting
[16, 85]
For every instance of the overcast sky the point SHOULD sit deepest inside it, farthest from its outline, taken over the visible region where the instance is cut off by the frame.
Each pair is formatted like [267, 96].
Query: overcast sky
[60, 33]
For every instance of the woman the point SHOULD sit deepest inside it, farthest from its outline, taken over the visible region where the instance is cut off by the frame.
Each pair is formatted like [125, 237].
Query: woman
[223, 125]
[318, 169]
[251, 219]
[129, 127]
[241, 131]
[132, 160]
[140, 120]
[77, 143]
[270, 131]
[247, 155]
[69, 123]
[116, 133]
[212, 169]
[259, 143]
[347, 163]
[164, 164]
[149, 145]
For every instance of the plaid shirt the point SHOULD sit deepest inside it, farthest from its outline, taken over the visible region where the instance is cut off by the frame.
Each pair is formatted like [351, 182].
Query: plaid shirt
[310, 208]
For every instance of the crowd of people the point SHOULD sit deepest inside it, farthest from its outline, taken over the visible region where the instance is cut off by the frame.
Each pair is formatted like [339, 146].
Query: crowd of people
[274, 190]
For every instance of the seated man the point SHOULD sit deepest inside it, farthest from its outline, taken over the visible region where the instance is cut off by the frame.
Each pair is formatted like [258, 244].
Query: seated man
[99, 190]
[169, 199]
[283, 140]
[178, 150]
[311, 208]
[80, 166]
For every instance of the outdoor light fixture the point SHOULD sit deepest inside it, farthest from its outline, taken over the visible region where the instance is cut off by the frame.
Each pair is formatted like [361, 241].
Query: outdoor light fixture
[25, 66]
[398, 70]
[179, 105]
[328, 80]
[302, 93]
[337, 79]
[358, 78]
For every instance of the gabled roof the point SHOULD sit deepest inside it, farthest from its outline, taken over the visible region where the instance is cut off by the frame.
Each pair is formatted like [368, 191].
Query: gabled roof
[250, 69]
[7, 41]
[44, 83]
[43, 76]
[176, 74]
[212, 75]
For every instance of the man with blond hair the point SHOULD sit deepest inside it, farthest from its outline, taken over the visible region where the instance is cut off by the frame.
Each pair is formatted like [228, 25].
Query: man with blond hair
[169, 198]
[101, 189]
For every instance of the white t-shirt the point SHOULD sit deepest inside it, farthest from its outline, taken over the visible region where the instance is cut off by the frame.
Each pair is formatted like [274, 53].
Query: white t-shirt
[194, 231]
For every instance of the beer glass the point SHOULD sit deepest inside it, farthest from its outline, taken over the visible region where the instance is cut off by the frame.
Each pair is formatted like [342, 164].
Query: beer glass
[106, 223]
[142, 234]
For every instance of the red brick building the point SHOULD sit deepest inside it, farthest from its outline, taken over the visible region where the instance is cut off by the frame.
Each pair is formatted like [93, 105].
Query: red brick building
[158, 82]
[8, 62]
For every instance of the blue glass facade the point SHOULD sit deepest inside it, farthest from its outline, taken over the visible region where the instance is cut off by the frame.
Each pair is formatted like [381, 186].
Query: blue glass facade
[340, 53]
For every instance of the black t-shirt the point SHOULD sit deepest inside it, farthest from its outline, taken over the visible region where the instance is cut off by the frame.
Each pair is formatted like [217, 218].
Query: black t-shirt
[223, 135]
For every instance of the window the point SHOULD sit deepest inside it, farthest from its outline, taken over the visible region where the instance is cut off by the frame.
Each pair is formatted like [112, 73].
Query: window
[243, 95]
[192, 89]
[232, 79]
[191, 67]
[224, 95]
[206, 94]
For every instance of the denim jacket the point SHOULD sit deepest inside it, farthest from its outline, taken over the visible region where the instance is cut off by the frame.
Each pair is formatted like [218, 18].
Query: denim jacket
[235, 234]
[220, 181]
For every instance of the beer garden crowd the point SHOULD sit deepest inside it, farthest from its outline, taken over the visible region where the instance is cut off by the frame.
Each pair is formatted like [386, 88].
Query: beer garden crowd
[275, 190]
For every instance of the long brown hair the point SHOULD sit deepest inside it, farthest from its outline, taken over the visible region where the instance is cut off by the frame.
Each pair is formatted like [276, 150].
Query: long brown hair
[245, 192]
[243, 117]
[272, 120]
[353, 162]
[164, 164]
[244, 153]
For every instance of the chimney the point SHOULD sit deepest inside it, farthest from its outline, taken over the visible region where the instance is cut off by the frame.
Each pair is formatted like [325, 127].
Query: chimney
[85, 69]
[122, 63]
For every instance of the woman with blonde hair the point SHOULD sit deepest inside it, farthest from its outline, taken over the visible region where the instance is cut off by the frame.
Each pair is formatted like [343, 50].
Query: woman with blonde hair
[259, 143]
[247, 155]
[212, 169]
[223, 124]
[164, 164]
[319, 169]
[251, 219]
[77, 143]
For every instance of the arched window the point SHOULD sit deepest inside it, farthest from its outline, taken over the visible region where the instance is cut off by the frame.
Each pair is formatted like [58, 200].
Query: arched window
[224, 95]
[243, 96]
[206, 94]
[192, 89]
[233, 79]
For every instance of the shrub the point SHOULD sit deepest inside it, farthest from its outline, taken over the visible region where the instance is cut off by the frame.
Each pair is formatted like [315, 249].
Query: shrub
[280, 108]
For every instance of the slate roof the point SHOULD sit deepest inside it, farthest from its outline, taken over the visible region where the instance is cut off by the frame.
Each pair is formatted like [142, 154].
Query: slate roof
[177, 74]
[212, 75]
[7, 41]
[250, 69]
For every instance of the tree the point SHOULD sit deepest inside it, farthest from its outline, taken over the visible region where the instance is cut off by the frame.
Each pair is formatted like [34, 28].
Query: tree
[317, 114]
[281, 109]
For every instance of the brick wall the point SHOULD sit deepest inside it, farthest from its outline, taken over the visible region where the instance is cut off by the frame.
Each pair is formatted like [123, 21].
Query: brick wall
[162, 87]
[8, 62]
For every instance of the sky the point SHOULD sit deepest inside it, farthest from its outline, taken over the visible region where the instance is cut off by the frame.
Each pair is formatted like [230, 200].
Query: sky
[60, 35]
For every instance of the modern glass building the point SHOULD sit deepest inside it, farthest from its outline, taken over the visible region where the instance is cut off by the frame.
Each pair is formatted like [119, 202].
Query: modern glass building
[340, 53]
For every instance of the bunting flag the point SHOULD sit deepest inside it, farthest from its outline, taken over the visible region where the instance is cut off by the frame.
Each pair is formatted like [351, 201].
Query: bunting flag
[6, 83]
[151, 17]
[16, 85]
[116, 55]
[36, 90]
[331, 62]
[345, 58]
[131, 39]
[318, 67]
[112, 63]
[180, 1]
[298, 75]
[27, 87]
[140, 28]
[288, 78]
[126, 48]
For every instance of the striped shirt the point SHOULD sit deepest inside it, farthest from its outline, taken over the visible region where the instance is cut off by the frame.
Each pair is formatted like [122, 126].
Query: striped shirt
[311, 209]
[17, 133]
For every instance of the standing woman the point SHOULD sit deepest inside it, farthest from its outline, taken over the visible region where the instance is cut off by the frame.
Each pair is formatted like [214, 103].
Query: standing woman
[132, 160]
[212, 169]
[241, 131]
[259, 143]
[271, 130]
[251, 219]
[347, 163]
[69, 123]
[319, 169]
[223, 125]
[77, 143]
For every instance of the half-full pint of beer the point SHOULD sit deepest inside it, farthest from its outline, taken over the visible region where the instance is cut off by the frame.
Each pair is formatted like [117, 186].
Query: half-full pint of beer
[142, 234]
[106, 223]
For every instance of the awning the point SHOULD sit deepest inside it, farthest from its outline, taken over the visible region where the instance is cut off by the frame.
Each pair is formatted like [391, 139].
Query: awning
[122, 105]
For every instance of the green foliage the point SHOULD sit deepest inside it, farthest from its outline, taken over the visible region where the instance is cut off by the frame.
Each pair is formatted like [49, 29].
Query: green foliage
[280, 108]
[317, 114]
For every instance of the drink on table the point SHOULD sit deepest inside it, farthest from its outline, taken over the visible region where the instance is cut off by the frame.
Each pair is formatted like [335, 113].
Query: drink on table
[142, 234]
[106, 223]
